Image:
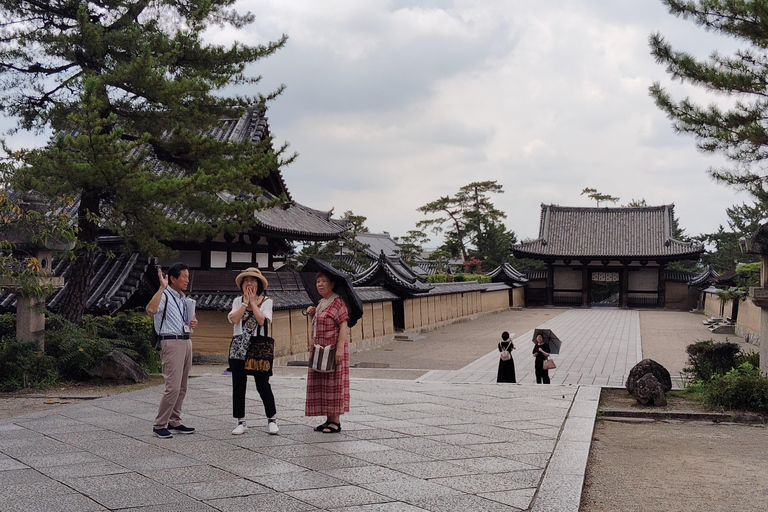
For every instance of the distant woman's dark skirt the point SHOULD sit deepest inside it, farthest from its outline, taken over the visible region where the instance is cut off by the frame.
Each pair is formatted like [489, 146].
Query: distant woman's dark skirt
[506, 371]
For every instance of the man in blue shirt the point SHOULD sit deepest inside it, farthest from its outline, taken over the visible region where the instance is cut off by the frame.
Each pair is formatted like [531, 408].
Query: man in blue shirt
[174, 327]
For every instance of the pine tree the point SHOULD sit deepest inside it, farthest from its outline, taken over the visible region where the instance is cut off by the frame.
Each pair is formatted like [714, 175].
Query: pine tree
[130, 87]
[592, 193]
[468, 215]
[741, 131]
[411, 245]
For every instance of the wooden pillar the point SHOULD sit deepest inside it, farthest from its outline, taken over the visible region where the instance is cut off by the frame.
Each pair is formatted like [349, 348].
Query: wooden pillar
[624, 291]
[662, 290]
[550, 283]
[585, 283]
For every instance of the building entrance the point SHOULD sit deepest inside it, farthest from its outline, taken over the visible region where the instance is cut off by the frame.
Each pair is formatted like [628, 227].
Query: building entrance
[604, 288]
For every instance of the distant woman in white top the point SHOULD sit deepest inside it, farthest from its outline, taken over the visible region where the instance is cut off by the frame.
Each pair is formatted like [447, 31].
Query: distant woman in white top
[251, 315]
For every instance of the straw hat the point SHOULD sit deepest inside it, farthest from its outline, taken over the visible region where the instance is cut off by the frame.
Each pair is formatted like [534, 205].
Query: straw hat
[251, 272]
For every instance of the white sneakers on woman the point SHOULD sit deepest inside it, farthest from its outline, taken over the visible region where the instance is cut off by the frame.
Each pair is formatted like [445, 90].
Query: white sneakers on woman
[242, 427]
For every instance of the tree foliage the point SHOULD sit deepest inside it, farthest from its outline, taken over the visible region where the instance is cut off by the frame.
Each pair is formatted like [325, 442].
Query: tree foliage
[471, 224]
[724, 252]
[347, 252]
[19, 267]
[592, 193]
[131, 88]
[739, 132]
[411, 245]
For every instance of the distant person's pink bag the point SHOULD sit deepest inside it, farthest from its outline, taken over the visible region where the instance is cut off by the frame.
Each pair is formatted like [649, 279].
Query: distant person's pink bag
[505, 354]
[548, 364]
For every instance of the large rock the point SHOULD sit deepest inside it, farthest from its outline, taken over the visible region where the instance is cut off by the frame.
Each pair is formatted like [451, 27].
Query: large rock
[118, 366]
[649, 391]
[648, 366]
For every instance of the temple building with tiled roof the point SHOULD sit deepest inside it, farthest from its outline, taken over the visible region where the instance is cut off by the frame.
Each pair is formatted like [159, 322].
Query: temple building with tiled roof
[607, 256]
[127, 281]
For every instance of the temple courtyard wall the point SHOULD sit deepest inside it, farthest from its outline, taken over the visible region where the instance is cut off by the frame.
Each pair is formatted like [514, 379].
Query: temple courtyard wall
[291, 329]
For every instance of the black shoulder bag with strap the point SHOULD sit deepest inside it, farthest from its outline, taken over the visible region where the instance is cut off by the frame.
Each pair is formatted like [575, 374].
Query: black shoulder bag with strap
[261, 352]
[155, 336]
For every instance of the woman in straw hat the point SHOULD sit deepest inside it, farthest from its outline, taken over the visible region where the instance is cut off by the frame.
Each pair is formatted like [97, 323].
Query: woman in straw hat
[251, 315]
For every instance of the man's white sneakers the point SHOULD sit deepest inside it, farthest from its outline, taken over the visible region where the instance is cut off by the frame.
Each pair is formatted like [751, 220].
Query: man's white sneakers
[272, 426]
[240, 429]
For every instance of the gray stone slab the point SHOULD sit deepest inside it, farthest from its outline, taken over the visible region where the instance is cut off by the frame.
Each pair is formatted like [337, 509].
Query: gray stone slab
[517, 498]
[559, 493]
[411, 490]
[354, 447]
[367, 474]
[221, 489]
[324, 462]
[270, 502]
[163, 462]
[66, 473]
[186, 506]
[6, 463]
[262, 466]
[60, 459]
[287, 452]
[298, 481]
[463, 502]
[477, 483]
[431, 469]
[578, 429]
[492, 464]
[21, 476]
[392, 506]
[53, 503]
[185, 475]
[153, 495]
[337, 497]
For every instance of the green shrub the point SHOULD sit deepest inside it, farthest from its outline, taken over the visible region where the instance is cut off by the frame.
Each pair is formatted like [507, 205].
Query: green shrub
[742, 388]
[132, 328]
[22, 365]
[752, 358]
[77, 349]
[437, 278]
[7, 325]
[480, 278]
[708, 358]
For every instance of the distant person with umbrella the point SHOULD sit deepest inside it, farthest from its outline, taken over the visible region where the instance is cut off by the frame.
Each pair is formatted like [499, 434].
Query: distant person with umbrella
[541, 352]
[506, 371]
[328, 393]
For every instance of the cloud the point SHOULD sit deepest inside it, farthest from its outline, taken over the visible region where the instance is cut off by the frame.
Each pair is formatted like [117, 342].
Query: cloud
[393, 103]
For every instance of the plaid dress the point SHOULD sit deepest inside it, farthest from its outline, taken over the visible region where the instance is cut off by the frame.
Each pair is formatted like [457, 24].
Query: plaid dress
[328, 393]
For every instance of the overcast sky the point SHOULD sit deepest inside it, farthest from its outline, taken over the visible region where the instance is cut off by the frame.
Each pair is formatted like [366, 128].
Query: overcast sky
[394, 103]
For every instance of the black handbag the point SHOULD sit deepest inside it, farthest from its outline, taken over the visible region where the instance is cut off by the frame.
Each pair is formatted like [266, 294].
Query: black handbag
[260, 353]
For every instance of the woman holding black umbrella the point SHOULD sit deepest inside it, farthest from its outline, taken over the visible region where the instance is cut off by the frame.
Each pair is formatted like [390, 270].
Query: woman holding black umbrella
[541, 352]
[328, 393]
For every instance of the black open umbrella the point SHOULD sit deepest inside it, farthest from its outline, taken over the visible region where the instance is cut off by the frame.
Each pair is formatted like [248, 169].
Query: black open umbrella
[549, 337]
[343, 288]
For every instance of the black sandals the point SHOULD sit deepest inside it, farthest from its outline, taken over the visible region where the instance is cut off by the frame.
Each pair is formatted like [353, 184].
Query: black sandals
[332, 428]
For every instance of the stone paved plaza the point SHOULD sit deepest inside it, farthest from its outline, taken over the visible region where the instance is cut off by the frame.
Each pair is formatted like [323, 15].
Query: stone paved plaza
[442, 440]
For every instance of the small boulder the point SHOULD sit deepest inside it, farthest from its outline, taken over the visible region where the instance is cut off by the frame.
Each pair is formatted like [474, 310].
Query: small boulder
[648, 366]
[649, 391]
[118, 366]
